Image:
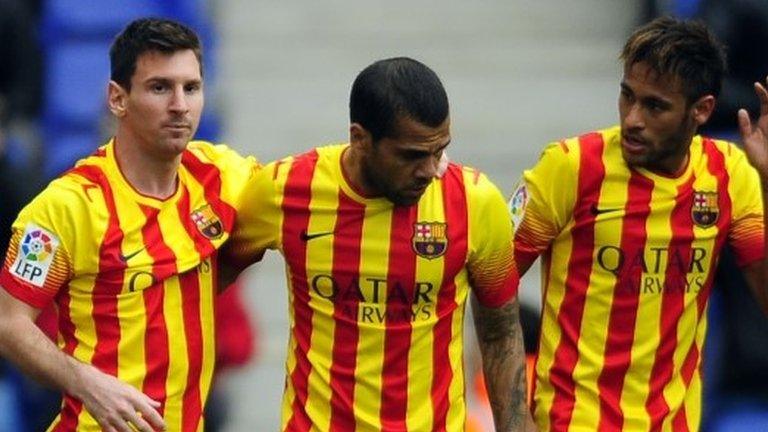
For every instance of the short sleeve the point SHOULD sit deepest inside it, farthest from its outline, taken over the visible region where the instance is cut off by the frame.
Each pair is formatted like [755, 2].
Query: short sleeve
[542, 204]
[491, 267]
[37, 264]
[747, 231]
[259, 216]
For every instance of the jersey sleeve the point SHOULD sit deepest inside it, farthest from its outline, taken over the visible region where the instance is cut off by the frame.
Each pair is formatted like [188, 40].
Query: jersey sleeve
[490, 263]
[257, 227]
[236, 170]
[543, 202]
[38, 264]
[747, 231]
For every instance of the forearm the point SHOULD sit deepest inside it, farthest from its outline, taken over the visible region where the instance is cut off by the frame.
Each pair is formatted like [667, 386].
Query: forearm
[501, 345]
[762, 283]
[24, 344]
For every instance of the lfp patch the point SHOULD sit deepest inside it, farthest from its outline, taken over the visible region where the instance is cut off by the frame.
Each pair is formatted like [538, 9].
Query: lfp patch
[517, 205]
[430, 239]
[35, 255]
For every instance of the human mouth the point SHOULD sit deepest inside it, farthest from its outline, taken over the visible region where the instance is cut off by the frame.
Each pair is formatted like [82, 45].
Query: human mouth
[177, 126]
[633, 145]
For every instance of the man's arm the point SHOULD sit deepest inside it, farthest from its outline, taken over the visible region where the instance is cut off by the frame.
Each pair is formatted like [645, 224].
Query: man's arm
[501, 344]
[111, 402]
[755, 139]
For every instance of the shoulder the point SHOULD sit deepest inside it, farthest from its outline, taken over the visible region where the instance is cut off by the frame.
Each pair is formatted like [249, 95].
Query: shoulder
[470, 181]
[722, 154]
[220, 155]
[68, 201]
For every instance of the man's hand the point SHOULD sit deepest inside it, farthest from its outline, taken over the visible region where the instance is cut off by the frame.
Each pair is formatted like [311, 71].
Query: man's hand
[755, 138]
[115, 405]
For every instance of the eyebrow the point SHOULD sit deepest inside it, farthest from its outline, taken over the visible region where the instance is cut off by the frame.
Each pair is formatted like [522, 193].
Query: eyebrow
[165, 80]
[658, 99]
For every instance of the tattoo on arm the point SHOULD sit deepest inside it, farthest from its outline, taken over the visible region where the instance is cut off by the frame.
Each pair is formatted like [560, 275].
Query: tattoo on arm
[501, 345]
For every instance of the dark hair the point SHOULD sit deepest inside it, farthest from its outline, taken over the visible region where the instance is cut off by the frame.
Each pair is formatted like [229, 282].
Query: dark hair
[684, 50]
[395, 87]
[149, 34]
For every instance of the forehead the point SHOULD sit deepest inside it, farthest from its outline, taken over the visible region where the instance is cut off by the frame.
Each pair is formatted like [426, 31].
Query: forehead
[409, 132]
[178, 65]
[643, 80]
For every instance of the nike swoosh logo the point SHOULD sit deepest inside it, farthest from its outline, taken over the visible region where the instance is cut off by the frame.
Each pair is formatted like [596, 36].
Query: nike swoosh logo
[305, 236]
[598, 211]
[125, 258]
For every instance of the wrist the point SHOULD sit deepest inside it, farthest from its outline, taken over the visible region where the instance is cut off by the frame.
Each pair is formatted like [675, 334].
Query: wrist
[75, 378]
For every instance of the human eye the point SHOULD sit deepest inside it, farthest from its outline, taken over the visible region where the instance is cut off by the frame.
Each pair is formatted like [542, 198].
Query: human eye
[192, 88]
[656, 106]
[158, 87]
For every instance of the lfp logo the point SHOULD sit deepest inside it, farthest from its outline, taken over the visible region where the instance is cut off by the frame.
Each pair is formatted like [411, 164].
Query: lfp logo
[37, 246]
[36, 252]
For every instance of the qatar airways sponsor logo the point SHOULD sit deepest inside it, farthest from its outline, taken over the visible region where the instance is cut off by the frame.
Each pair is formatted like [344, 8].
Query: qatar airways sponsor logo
[656, 270]
[376, 300]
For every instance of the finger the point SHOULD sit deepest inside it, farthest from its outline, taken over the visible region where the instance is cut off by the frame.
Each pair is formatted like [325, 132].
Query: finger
[151, 402]
[150, 413]
[138, 422]
[118, 424]
[745, 125]
[762, 94]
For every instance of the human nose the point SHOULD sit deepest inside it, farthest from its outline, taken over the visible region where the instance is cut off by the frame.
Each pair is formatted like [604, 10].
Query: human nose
[634, 118]
[179, 101]
[429, 167]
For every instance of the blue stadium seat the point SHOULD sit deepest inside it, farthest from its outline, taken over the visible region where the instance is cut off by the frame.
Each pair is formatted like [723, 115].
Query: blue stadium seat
[65, 149]
[76, 83]
[94, 18]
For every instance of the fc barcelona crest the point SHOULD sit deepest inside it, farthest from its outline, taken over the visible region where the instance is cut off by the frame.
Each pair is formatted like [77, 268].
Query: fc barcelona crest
[705, 209]
[207, 222]
[430, 239]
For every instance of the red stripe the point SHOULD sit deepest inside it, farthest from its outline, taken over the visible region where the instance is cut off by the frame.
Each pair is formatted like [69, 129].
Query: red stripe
[679, 255]
[397, 338]
[547, 271]
[717, 168]
[71, 407]
[295, 207]
[156, 338]
[348, 234]
[626, 296]
[591, 174]
[192, 408]
[104, 296]
[203, 246]
[209, 177]
[455, 209]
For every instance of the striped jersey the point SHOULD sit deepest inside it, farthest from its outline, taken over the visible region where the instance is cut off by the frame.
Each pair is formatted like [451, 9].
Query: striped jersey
[377, 291]
[628, 261]
[133, 277]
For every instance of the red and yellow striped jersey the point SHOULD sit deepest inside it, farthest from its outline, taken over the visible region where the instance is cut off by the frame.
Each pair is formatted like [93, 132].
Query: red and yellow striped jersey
[376, 291]
[628, 260]
[132, 276]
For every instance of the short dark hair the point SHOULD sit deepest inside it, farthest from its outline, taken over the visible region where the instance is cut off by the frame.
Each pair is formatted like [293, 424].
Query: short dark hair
[682, 49]
[149, 34]
[395, 87]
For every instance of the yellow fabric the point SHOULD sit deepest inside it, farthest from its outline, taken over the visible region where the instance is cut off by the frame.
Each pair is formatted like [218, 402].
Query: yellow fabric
[391, 292]
[117, 249]
[554, 192]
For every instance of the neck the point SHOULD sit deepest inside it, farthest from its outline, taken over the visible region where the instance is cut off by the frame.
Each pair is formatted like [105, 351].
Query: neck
[149, 174]
[673, 167]
[352, 168]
